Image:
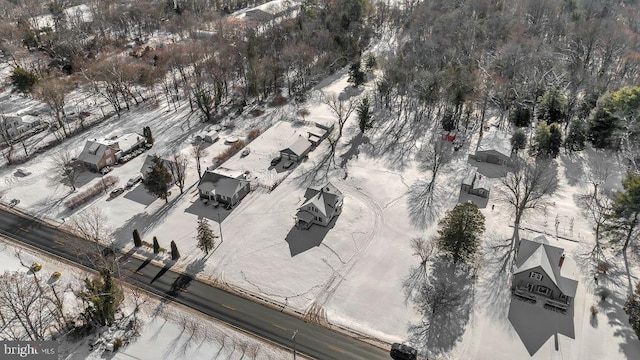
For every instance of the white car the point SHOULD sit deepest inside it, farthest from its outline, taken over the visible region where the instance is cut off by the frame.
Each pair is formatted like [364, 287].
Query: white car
[134, 180]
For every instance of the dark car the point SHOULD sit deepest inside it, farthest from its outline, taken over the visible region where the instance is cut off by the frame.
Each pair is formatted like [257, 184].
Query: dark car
[288, 164]
[403, 352]
[116, 192]
[275, 161]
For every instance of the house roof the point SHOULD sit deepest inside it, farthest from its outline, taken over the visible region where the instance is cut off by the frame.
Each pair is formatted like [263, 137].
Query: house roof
[481, 182]
[94, 150]
[129, 141]
[323, 198]
[471, 174]
[304, 216]
[495, 140]
[222, 184]
[533, 254]
[148, 165]
[299, 147]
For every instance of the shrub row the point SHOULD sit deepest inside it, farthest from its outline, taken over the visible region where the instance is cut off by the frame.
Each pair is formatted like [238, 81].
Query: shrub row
[225, 155]
[253, 134]
[88, 194]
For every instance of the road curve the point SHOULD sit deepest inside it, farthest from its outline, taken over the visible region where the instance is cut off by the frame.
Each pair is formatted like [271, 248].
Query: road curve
[312, 340]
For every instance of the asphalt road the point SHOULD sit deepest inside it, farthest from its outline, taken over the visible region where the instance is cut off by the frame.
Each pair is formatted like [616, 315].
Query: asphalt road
[311, 340]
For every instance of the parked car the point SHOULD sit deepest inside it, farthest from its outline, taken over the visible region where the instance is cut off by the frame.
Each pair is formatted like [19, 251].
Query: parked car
[288, 164]
[245, 152]
[275, 161]
[23, 172]
[403, 352]
[134, 180]
[117, 191]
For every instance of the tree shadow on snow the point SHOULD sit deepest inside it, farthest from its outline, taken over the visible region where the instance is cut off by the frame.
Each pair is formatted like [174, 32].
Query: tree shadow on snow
[143, 222]
[423, 203]
[353, 150]
[442, 326]
[302, 240]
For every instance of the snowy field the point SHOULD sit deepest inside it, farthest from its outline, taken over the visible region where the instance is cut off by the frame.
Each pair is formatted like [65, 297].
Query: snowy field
[168, 331]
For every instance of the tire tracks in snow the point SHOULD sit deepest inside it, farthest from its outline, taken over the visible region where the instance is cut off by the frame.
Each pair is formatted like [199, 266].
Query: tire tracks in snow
[339, 275]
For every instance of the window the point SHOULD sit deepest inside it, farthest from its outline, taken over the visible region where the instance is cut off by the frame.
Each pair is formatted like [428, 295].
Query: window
[544, 290]
[535, 275]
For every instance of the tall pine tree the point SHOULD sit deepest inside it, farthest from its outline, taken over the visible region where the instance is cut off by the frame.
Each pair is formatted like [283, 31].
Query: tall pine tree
[206, 238]
[460, 232]
[158, 180]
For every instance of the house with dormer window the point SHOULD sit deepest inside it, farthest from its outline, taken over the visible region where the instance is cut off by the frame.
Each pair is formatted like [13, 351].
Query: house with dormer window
[320, 206]
[537, 276]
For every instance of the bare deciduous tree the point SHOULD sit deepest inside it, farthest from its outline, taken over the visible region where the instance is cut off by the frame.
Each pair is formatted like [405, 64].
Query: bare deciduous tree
[66, 167]
[29, 308]
[53, 92]
[525, 187]
[424, 249]
[178, 168]
[198, 151]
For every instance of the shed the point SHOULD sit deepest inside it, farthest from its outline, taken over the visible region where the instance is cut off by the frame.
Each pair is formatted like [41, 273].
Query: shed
[297, 150]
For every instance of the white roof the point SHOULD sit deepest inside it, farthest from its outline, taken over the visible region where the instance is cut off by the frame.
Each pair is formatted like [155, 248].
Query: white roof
[496, 140]
[128, 141]
[300, 146]
[275, 7]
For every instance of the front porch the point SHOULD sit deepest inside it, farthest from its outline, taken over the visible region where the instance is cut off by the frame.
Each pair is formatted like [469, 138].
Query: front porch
[525, 293]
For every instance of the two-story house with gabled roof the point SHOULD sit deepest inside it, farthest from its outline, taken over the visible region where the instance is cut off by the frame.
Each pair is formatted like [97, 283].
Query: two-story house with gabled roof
[320, 206]
[537, 276]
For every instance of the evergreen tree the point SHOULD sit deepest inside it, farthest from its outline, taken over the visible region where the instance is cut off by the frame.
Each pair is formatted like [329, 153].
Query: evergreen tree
[632, 309]
[547, 141]
[577, 136]
[552, 106]
[103, 299]
[206, 238]
[460, 232]
[156, 245]
[616, 113]
[146, 131]
[555, 140]
[622, 220]
[520, 116]
[356, 75]
[137, 241]
[23, 80]
[157, 180]
[175, 254]
[364, 115]
[518, 140]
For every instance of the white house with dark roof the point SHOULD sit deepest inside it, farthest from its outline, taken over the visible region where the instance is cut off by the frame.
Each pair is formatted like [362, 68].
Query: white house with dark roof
[14, 125]
[299, 149]
[494, 147]
[222, 187]
[537, 276]
[320, 206]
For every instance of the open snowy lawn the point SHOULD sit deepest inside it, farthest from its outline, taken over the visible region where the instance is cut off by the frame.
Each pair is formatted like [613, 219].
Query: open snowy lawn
[168, 331]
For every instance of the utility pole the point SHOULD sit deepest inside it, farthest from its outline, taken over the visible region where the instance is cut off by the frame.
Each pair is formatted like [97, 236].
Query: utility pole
[220, 225]
[294, 343]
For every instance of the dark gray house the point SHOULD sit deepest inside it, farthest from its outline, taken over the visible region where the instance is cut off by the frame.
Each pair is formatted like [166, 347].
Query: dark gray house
[537, 276]
[299, 149]
[223, 188]
[476, 184]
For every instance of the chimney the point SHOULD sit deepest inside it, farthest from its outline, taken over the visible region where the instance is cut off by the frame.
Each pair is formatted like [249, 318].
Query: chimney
[561, 261]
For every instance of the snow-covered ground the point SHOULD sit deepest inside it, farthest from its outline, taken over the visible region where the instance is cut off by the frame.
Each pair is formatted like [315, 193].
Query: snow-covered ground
[168, 331]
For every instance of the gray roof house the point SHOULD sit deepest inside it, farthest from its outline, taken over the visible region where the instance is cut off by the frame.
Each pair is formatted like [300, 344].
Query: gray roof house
[476, 184]
[494, 147]
[537, 276]
[297, 150]
[148, 165]
[98, 153]
[320, 206]
[222, 187]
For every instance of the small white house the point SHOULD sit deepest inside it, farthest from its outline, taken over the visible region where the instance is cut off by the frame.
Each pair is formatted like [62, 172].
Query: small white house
[494, 148]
